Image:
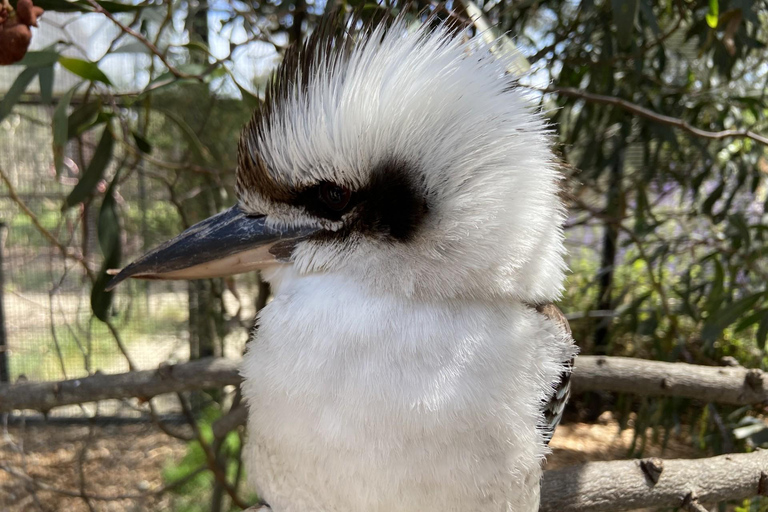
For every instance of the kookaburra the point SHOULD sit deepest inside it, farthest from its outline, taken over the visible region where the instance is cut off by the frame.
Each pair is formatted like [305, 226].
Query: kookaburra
[399, 192]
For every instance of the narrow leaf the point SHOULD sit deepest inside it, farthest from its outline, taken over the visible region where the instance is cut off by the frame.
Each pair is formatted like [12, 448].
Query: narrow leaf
[762, 331]
[142, 143]
[110, 244]
[624, 16]
[713, 14]
[84, 69]
[249, 98]
[46, 84]
[15, 91]
[60, 127]
[40, 59]
[188, 133]
[726, 316]
[716, 194]
[83, 118]
[94, 172]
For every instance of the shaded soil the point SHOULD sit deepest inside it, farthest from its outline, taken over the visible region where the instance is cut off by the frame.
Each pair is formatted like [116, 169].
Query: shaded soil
[129, 460]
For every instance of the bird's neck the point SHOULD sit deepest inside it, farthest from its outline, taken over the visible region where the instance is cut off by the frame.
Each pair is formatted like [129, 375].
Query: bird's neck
[330, 312]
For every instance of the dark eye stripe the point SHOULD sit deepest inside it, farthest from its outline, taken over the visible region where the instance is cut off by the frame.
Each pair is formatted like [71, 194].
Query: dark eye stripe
[334, 196]
[391, 205]
[327, 200]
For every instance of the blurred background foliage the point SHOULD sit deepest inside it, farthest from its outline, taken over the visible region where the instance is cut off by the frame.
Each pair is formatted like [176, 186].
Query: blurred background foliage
[659, 107]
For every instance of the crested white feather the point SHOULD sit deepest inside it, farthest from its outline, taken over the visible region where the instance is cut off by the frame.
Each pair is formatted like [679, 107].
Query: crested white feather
[410, 376]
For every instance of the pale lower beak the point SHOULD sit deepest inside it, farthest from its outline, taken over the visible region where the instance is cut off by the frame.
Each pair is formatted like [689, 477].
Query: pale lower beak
[231, 242]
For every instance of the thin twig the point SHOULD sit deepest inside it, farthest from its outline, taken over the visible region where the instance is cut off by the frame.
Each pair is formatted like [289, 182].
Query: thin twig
[146, 42]
[653, 116]
[36, 222]
[210, 456]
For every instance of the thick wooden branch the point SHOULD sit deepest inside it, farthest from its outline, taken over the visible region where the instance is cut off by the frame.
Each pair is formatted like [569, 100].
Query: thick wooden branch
[43, 396]
[651, 483]
[729, 385]
[632, 484]
[725, 385]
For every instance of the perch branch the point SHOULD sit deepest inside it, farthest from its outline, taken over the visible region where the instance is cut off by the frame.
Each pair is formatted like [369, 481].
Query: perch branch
[727, 385]
[629, 485]
[145, 384]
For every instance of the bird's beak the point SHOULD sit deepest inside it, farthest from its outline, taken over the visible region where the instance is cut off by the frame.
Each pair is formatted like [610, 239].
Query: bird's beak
[231, 242]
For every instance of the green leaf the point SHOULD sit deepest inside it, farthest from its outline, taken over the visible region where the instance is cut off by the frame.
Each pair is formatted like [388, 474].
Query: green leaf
[762, 331]
[111, 248]
[188, 133]
[197, 45]
[646, 8]
[40, 59]
[727, 315]
[84, 69]
[82, 118]
[15, 91]
[61, 127]
[94, 172]
[46, 84]
[134, 46]
[142, 143]
[249, 99]
[716, 194]
[624, 16]
[713, 14]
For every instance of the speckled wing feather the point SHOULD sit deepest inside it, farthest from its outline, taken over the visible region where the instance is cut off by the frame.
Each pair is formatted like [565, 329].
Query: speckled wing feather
[553, 410]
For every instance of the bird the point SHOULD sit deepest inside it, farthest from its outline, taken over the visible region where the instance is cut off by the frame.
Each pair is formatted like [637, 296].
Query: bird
[399, 191]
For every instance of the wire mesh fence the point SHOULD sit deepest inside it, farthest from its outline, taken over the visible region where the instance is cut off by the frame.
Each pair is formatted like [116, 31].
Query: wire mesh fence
[50, 330]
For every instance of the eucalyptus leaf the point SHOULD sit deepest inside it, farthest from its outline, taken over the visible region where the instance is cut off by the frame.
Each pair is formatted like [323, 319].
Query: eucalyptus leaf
[39, 59]
[84, 69]
[16, 90]
[713, 14]
[194, 141]
[83, 118]
[61, 127]
[762, 331]
[94, 172]
[46, 84]
[624, 16]
[111, 248]
[142, 143]
[727, 315]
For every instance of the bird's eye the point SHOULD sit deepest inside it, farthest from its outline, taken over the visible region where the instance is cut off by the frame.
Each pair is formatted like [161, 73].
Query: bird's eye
[334, 197]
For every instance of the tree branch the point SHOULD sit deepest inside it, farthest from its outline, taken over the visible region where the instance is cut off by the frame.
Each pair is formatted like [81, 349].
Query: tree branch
[654, 116]
[728, 385]
[146, 42]
[43, 396]
[629, 485]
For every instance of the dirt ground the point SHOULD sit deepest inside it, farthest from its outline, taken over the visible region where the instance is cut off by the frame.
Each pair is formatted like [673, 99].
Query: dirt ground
[129, 459]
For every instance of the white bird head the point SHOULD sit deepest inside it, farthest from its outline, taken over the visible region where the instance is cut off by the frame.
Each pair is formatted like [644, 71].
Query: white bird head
[406, 160]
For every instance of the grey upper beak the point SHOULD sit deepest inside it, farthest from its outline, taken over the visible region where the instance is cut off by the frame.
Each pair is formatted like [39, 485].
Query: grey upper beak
[230, 242]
